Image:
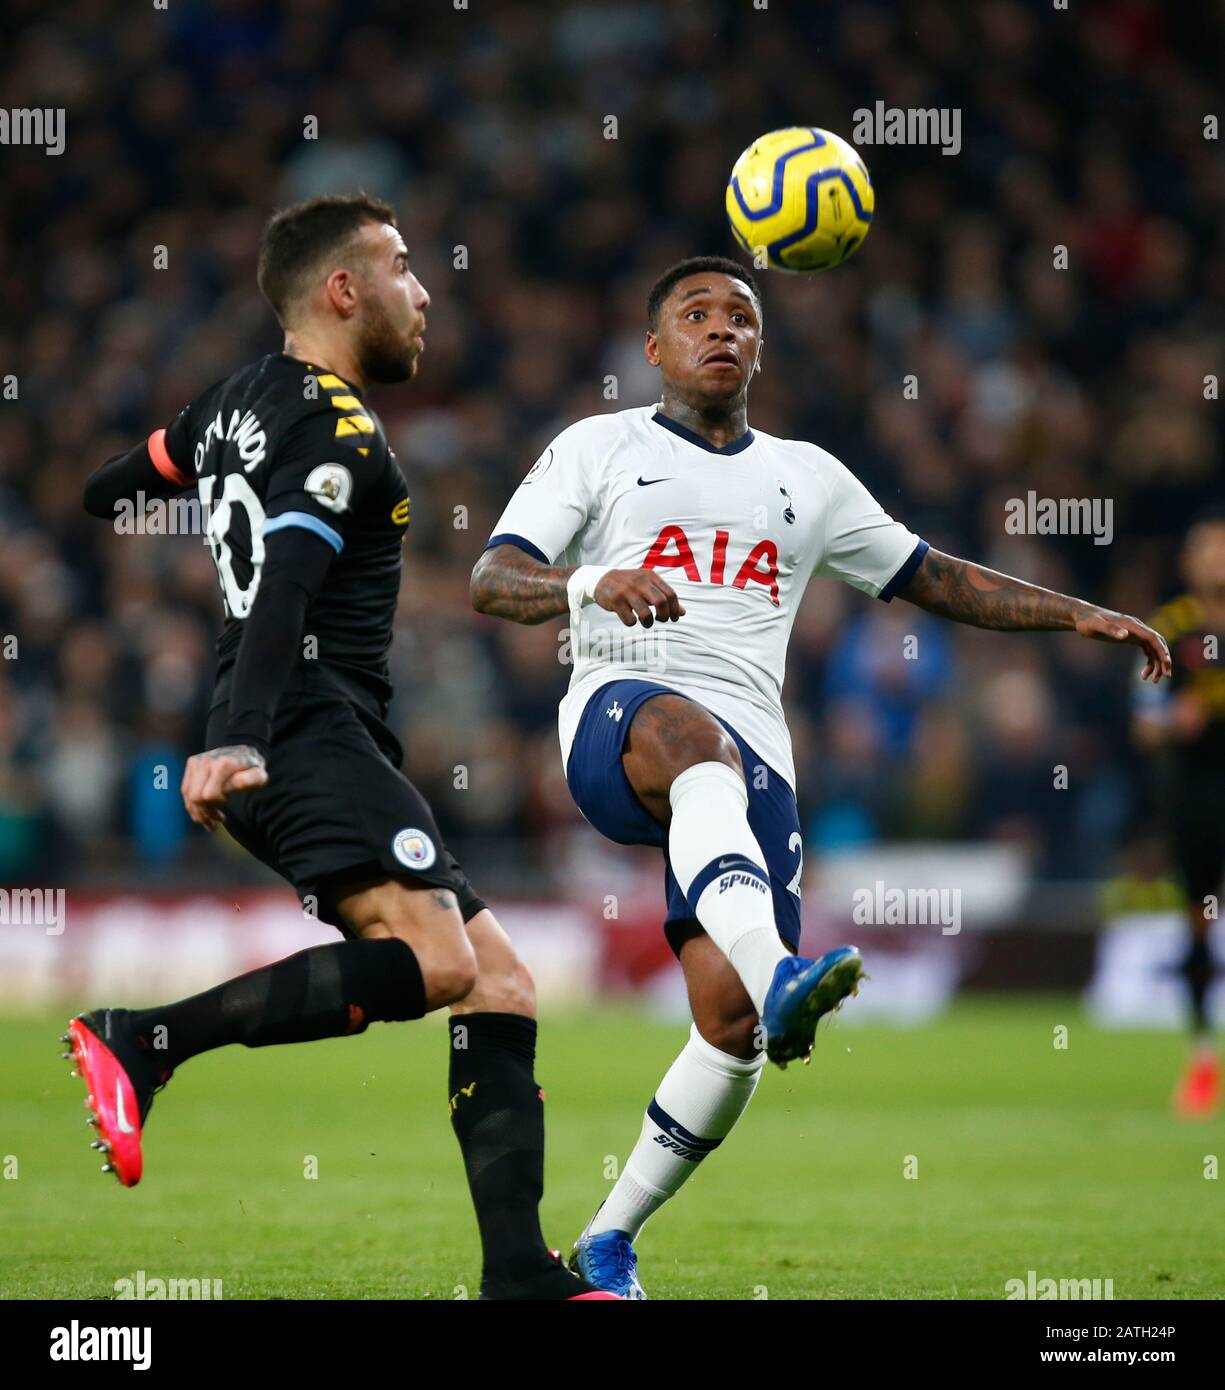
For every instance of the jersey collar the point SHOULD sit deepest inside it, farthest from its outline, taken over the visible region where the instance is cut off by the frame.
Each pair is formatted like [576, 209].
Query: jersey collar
[316, 372]
[735, 447]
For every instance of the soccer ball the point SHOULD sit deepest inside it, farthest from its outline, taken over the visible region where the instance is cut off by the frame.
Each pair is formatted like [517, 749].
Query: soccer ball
[801, 199]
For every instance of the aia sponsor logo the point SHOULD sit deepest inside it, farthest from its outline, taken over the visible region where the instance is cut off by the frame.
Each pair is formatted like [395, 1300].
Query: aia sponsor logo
[672, 550]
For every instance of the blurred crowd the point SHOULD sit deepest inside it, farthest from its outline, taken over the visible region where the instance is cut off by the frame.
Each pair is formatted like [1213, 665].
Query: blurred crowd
[487, 126]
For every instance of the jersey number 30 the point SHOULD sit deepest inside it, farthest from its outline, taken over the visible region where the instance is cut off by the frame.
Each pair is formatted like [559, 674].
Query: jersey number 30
[235, 492]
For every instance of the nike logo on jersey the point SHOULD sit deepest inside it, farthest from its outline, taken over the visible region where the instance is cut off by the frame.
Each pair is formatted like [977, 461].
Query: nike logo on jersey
[650, 482]
[120, 1118]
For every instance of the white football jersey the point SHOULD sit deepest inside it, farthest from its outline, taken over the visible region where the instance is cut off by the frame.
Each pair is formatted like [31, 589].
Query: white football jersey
[736, 531]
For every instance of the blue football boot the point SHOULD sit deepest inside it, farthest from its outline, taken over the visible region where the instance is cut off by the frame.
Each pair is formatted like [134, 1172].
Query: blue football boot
[801, 994]
[608, 1261]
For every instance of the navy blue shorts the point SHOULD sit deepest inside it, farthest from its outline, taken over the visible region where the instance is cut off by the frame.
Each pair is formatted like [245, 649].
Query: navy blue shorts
[602, 792]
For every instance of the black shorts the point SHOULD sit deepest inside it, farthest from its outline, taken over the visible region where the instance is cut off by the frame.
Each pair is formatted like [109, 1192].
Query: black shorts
[337, 812]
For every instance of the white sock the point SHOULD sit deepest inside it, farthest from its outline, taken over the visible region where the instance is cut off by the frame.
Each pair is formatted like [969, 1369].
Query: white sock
[710, 829]
[700, 1098]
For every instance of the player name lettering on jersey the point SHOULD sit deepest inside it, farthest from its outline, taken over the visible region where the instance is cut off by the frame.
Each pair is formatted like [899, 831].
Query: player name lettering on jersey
[737, 531]
[245, 432]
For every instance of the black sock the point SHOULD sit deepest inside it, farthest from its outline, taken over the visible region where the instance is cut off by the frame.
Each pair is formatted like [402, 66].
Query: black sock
[497, 1112]
[1197, 971]
[323, 992]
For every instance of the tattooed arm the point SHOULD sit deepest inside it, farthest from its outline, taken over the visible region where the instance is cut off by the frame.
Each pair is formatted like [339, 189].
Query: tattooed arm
[509, 583]
[968, 593]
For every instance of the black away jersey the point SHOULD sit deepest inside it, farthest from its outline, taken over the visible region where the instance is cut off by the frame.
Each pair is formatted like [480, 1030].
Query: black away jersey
[282, 444]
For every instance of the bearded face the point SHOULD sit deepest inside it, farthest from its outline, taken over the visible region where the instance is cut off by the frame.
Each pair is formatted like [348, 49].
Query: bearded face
[387, 354]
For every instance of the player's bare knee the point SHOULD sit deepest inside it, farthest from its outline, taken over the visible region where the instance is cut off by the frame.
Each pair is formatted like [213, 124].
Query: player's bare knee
[507, 988]
[450, 974]
[428, 920]
[702, 739]
[669, 735]
[738, 1034]
[713, 745]
[458, 981]
[516, 989]
[504, 983]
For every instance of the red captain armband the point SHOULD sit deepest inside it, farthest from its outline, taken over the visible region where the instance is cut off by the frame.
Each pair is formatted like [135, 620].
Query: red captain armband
[162, 461]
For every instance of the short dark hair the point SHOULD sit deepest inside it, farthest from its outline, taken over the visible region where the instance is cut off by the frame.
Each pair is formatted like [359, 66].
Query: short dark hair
[695, 265]
[298, 240]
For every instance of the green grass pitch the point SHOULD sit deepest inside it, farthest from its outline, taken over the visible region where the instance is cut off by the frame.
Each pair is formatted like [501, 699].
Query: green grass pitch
[1065, 1161]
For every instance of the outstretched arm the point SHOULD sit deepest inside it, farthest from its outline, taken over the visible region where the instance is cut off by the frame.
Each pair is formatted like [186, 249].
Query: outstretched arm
[146, 470]
[507, 582]
[968, 593]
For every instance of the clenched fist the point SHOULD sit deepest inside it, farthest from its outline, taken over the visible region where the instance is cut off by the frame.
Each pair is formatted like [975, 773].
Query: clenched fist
[210, 777]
